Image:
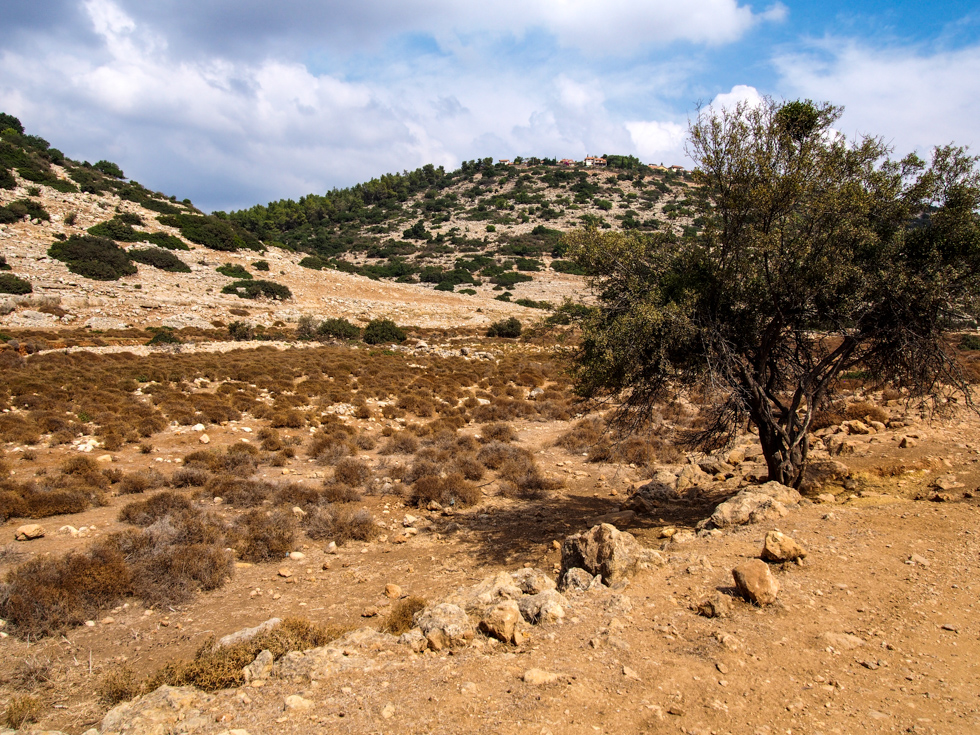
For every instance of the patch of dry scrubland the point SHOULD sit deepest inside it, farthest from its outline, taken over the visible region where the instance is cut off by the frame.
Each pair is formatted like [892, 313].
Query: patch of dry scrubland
[187, 496]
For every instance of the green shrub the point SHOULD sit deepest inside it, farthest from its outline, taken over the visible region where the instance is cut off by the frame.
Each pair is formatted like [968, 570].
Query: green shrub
[71, 218]
[20, 208]
[211, 232]
[159, 258]
[97, 258]
[256, 288]
[532, 304]
[567, 266]
[338, 329]
[380, 331]
[505, 328]
[234, 271]
[3, 264]
[511, 278]
[314, 262]
[164, 337]
[116, 229]
[970, 342]
[109, 169]
[7, 180]
[163, 240]
[261, 265]
[9, 283]
[241, 331]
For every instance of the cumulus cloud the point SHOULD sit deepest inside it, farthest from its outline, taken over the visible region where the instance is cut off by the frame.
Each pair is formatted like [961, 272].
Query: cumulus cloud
[914, 99]
[739, 93]
[658, 142]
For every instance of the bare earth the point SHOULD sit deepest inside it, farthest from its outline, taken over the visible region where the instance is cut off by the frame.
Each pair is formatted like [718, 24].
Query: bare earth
[876, 631]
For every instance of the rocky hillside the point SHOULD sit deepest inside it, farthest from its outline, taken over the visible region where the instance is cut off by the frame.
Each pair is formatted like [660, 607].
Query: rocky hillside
[84, 247]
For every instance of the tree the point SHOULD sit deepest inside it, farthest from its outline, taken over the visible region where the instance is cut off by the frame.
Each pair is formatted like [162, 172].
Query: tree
[817, 256]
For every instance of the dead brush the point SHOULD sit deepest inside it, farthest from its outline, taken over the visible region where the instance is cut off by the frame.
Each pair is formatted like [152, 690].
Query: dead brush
[22, 710]
[118, 683]
[495, 454]
[141, 481]
[27, 500]
[865, 411]
[214, 668]
[401, 617]
[340, 492]
[352, 471]
[452, 490]
[261, 536]
[354, 524]
[271, 439]
[330, 447]
[583, 436]
[238, 491]
[190, 477]
[401, 443]
[31, 672]
[146, 512]
[469, 467]
[498, 432]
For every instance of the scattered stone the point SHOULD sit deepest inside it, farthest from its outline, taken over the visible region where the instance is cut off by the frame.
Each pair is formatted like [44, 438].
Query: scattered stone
[414, 640]
[285, 572]
[104, 458]
[602, 550]
[716, 606]
[197, 427]
[843, 641]
[818, 473]
[779, 547]
[388, 711]
[575, 579]
[620, 519]
[532, 581]
[544, 607]
[631, 674]
[205, 439]
[445, 626]
[826, 498]
[503, 623]
[29, 532]
[918, 560]
[248, 633]
[331, 548]
[296, 702]
[754, 505]
[166, 709]
[297, 555]
[755, 582]
[260, 668]
[371, 611]
[907, 442]
[540, 677]
[393, 591]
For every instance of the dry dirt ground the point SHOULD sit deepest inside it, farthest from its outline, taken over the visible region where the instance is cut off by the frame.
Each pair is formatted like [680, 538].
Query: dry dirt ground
[876, 631]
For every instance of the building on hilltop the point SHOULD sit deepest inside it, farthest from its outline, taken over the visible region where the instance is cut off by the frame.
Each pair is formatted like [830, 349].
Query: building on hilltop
[595, 161]
[566, 162]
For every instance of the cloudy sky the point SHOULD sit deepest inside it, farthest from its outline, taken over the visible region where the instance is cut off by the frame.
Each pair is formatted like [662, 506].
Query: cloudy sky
[238, 102]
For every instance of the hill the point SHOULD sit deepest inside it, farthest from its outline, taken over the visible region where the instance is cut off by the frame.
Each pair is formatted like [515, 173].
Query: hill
[87, 248]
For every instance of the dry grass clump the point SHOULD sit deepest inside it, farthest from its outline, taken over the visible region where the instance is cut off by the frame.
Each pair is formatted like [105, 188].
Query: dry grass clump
[118, 684]
[141, 481]
[214, 668]
[271, 440]
[31, 672]
[86, 470]
[865, 411]
[583, 436]
[264, 535]
[452, 490]
[469, 467]
[401, 618]
[28, 500]
[495, 454]
[330, 445]
[340, 524]
[296, 494]
[402, 442]
[146, 512]
[352, 471]
[22, 710]
[238, 491]
[499, 432]
[340, 492]
[190, 477]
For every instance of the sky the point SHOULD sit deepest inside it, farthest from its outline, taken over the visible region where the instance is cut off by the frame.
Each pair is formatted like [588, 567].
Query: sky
[240, 102]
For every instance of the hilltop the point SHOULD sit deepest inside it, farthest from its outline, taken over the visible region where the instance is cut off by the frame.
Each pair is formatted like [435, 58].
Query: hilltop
[428, 248]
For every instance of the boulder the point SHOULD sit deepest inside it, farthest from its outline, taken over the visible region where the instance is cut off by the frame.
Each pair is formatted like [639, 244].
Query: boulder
[818, 474]
[716, 606]
[603, 549]
[755, 582]
[480, 597]
[260, 668]
[247, 634]
[445, 626]
[544, 607]
[754, 505]
[575, 579]
[165, 709]
[715, 466]
[532, 581]
[780, 547]
[29, 532]
[502, 622]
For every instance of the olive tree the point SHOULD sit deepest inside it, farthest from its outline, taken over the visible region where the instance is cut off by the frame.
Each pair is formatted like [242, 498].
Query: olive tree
[817, 255]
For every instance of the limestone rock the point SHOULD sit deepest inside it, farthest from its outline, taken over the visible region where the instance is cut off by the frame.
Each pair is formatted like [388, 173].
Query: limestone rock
[260, 668]
[755, 582]
[544, 607]
[821, 472]
[247, 634]
[754, 505]
[532, 581]
[716, 606]
[296, 702]
[575, 579]
[620, 519]
[502, 622]
[165, 709]
[604, 550]
[29, 532]
[715, 466]
[843, 641]
[393, 591]
[445, 626]
[478, 598]
[540, 677]
[780, 547]
[414, 640]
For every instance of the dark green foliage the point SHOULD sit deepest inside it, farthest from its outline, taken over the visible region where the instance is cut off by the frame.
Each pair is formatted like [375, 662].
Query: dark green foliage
[158, 258]
[241, 331]
[338, 329]
[116, 229]
[129, 218]
[261, 265]
[19, 208]
[511, 279]
[164, 337]
[314, 262]
[9, 283]
[109, 169]
[382, 331]
[234, 271]
[163, 240]
[529, 265]
[211, 232]
[89, 180]
[256, 288]
[97, 258]
[506, 328]
[3, 264]
[532, 304]
[9, 121]
[567, 266]
[417, 232]
[7, 180]
[970, 342]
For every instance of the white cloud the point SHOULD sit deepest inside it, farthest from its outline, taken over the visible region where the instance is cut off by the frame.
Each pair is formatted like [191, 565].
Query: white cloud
[914, 100]
[739, 93]
[658, 142]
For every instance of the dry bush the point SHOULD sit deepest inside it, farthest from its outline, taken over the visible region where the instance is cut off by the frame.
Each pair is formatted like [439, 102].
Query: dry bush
[495, 454]
[214, 668]
[366, 442]
[291, 419]
[146, 512]
[451, 490]
[22, 710]
[271, 440]
[205, 459]
[263, 536]
[190, 477]
[865, 411]
[499, 432]
[318, 523]
[30, 672]
[240, 492]
[529, 484]
[118, 684]
[27, 500]
[469, 467]
[354, 524]
[601, 451]
[295, 494]
[352, 471]
[826, 416]
[330, 447]
[466, 443]
[401, 443]
[401, 617]
[583, 436]
[141, 481]
[636, 450]
[339, 492]
[85, 469]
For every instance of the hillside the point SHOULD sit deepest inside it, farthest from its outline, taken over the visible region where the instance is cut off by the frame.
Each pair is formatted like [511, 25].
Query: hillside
[87, 248]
